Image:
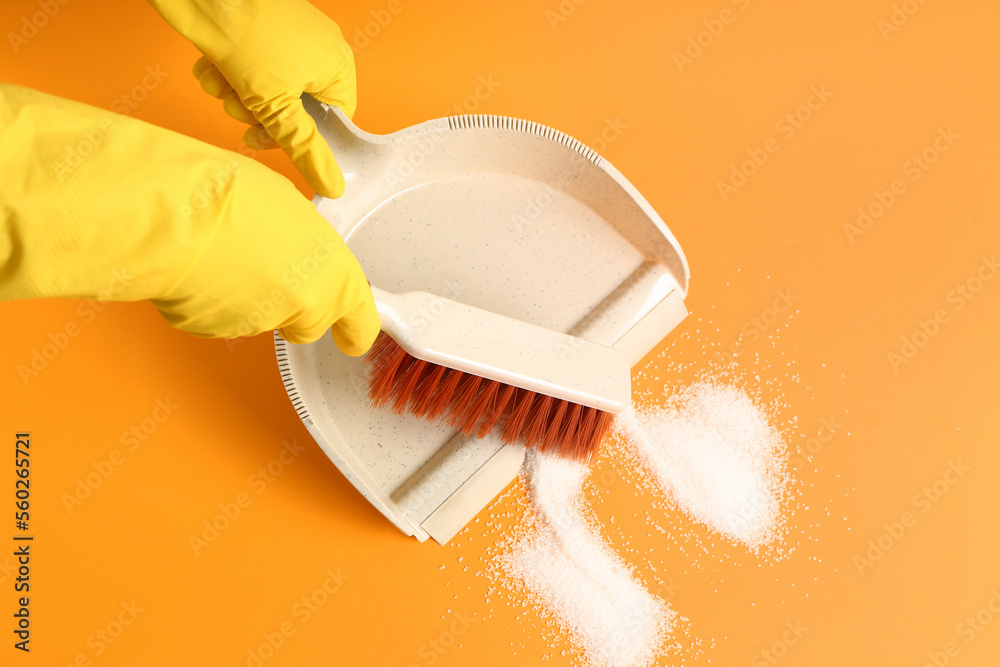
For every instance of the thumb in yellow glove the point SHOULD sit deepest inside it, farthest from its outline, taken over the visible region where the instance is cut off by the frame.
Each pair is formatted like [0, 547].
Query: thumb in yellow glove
[259, 57]
[221, 245]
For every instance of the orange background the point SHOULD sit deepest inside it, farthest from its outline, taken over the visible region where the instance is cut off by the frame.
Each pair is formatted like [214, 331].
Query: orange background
[782, 229]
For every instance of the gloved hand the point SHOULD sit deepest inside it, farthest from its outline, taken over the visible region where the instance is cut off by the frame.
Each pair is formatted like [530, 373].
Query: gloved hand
[259, 57]
[101, 206]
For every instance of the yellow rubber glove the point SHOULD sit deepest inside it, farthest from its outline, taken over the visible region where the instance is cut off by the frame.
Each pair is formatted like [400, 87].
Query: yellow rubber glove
[101, 206]
[259, 57]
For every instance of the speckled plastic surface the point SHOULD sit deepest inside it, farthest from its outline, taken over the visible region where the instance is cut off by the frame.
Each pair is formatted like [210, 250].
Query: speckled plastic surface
[501, 214]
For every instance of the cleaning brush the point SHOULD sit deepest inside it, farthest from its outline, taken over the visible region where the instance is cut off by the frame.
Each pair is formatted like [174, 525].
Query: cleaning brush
[483, 373]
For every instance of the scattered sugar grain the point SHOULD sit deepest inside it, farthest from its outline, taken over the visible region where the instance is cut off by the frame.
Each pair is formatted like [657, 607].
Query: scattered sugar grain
[714, 453]
[567, 568]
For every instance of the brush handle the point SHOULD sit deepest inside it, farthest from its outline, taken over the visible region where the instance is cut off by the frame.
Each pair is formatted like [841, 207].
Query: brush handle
[388, 308]
[406, 317]
[483, 343]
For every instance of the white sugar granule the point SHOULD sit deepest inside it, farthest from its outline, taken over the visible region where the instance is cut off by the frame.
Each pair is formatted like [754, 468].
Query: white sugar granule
[714, 453]
[566, 567]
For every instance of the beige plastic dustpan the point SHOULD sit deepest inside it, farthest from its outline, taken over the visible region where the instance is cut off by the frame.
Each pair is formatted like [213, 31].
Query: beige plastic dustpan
[499, 213]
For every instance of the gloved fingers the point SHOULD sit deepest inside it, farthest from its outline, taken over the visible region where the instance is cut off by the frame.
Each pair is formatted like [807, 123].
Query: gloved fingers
[343, 92]
[257, 137]
[337, 297]
[287, 121]
[211, 79]
[355, 332]
[300, 336]
[233, 106]
[349, 103]
[200, 66]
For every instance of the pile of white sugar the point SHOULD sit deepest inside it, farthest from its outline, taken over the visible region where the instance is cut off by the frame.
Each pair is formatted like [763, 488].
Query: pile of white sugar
[714, 453]
[566, 567]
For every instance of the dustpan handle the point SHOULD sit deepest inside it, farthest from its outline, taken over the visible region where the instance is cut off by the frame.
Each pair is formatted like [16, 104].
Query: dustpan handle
[357, 152]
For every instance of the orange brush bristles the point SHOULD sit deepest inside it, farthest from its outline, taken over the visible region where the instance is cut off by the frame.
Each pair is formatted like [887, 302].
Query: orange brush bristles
[476, 406]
